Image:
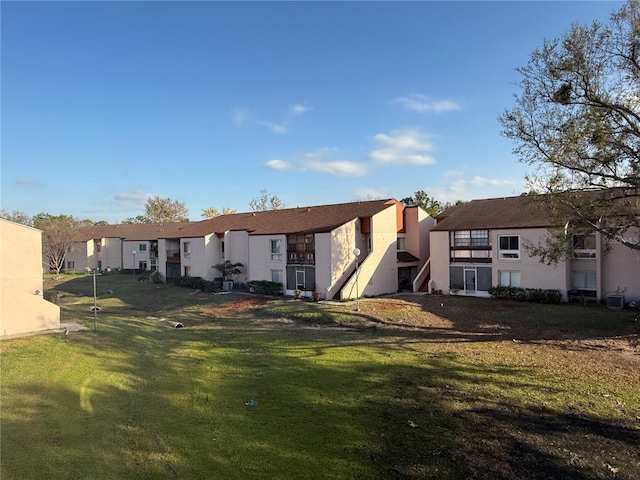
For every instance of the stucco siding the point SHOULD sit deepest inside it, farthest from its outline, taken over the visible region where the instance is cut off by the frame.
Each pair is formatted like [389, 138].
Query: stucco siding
[22, 306]
[260, 260]
[193, 260]
[323, 263]
[378, 272]
[533, 273]
[621, 271]
[439, 247]
[237, 251]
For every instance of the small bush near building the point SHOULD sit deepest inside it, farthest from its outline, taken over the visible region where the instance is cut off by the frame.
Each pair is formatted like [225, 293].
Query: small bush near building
[533, 295]
[156, 277]
[196, 283]
[265, 287]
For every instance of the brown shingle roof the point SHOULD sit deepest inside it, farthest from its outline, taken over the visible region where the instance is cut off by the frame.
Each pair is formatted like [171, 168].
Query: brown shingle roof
[313, 219]
[527, 211]
[133, 231]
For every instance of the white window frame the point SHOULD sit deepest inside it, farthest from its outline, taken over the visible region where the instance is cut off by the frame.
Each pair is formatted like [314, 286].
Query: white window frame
[276, 250]
[580, 240]
[186, 249]
[508, 253]
[142, 247]
[187, 271]
[277, 276]
[513, 278]
[580, 280]
[401, 244]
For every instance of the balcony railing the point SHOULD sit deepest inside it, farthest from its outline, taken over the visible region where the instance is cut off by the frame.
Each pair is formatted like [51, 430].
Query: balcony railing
[301, 258]
[173, 255]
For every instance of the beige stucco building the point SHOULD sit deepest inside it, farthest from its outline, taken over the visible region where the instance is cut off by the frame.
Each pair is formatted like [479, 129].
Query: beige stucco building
[22, 307]
[483, 243]
[310, 249]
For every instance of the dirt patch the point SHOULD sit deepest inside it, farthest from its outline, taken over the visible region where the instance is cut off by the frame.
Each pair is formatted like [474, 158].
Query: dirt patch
[233, 306]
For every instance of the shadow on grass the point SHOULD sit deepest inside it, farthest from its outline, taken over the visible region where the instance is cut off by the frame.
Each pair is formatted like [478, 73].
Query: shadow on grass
[140, 400]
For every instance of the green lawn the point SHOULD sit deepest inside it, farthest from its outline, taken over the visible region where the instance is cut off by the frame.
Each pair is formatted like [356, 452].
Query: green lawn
[405, 388]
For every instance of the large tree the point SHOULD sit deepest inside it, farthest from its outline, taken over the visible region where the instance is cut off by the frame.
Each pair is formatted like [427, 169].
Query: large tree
[161, 210]
[265, 201]
[577, 121]
[420, 198]
[430, 205]
[57, 236]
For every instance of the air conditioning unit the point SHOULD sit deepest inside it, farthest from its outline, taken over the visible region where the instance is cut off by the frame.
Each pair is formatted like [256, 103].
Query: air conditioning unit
[615, 302]
[227, 285]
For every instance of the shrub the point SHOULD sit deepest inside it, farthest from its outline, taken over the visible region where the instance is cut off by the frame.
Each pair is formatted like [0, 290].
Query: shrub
[196, 283]
[534, 295]
[156, 277]
[265, 287]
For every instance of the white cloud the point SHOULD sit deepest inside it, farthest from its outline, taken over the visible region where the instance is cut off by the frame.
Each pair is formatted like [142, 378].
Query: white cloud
[372, 193]
[322, 160]
[134, 196]
[274, 127]
[29, 182]
[338, 168]
[239, 115]
[404, 147]
[477, 187]
[421, 103]
[278, 165]
[298, 109]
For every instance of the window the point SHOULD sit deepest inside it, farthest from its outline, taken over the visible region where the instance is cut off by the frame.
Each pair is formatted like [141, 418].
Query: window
[584, 280]
[509, 278]
[98, 247]
[142, 265]
[186, 248]
[509, 246]
[142, 247]
[276, 250]
[276, 276]
[71, 265]
[401, 244]
[99, 265]
[584, 245]
[471, 238]
[187, 271]
[222, 248]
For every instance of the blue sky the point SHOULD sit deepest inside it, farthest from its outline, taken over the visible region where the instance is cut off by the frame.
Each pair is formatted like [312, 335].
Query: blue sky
[107, 103]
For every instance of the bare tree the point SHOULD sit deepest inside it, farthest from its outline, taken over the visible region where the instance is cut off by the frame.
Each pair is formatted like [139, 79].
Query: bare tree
[17, 217]
[265, 201]
[577, 121]
[212, 212]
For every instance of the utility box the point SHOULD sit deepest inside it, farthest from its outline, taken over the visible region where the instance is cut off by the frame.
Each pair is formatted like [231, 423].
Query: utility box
[227, 285]
[615, 302]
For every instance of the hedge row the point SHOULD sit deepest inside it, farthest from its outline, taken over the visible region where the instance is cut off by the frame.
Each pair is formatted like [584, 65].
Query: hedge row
[199, 283]
[534, 295]
[265, 287]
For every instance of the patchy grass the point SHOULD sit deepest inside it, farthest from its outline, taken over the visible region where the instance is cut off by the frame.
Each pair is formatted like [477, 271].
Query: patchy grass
[408, 387]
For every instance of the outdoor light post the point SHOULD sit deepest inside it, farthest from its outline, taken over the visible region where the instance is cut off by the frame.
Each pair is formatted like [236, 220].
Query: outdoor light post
[356, 253]
[95, 303]
[134, 262]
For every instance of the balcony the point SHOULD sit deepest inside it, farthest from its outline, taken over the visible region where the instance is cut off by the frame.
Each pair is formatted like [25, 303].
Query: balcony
[301, 258]
[173, 255]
